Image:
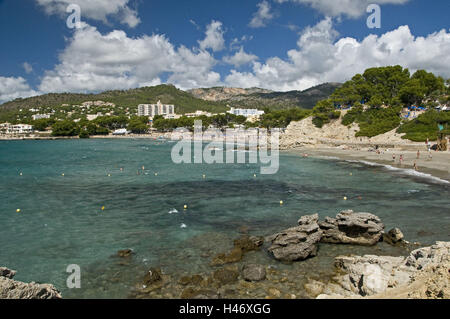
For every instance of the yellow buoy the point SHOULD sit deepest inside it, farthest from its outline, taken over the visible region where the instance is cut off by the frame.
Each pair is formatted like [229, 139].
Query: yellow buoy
[185, 206]
[62, 174]
[18, 210]
[103, 207]
[281, 202]
[345, 197]
[254, 175]
[351, 174]
[204, 176]
[20, 174]
[156, 174]
[109, 175]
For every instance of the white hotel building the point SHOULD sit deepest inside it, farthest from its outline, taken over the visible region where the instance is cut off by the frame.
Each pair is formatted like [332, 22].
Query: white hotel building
[152, 110]
[246, 112]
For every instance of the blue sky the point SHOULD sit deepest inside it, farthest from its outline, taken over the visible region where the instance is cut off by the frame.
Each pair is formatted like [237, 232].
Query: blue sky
[275, 44]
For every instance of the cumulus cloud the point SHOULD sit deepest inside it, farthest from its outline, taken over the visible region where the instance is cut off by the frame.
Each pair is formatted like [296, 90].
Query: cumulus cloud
[321, 57]
[98, 10]
[349, 8]
[213, 37]
[240, 58]
[262, 16]
[14, 87]
[93, 62]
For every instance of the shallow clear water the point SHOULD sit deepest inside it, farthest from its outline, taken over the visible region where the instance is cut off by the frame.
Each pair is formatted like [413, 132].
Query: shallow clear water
[61, 221]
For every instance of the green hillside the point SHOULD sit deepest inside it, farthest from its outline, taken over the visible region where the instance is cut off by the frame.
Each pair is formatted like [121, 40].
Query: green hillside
[168, 94]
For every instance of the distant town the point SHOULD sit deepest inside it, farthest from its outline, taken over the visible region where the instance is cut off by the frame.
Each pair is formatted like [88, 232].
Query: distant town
[98, 112]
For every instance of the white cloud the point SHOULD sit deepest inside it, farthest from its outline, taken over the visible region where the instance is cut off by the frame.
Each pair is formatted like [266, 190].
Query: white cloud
[213, 37]
[27, 67]
[98, 10]
[95, 62]
[262, 16]
[14, 87]
[240, 58]
[235, 44]
[349, 8]
[321, 58]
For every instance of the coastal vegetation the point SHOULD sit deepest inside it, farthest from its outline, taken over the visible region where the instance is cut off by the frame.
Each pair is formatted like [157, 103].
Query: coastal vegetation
[124, 100]
[270, 119]
[374, 100]
[425, 126]
[100, 126]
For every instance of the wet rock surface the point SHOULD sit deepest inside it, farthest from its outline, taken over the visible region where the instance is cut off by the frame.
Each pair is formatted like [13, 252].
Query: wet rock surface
[8, 273]
[12, 289]
[352, 228]
[296, 243]
[394, 237]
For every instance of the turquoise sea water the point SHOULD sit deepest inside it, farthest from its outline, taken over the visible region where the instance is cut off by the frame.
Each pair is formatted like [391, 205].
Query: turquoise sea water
[61, 221]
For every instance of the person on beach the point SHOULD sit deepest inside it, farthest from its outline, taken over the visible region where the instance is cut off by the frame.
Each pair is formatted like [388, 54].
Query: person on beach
[416, 168]
[418, 154]
[401, 159]
[428, 145]
[393, 157]
[430, 156]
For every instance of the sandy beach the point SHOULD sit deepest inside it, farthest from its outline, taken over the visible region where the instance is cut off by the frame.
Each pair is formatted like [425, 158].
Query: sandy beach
[438, 165]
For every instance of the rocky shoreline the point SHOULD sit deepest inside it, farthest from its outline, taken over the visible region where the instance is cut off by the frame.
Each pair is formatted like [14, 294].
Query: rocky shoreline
[12, 289]
[418, 272]
[355, 276]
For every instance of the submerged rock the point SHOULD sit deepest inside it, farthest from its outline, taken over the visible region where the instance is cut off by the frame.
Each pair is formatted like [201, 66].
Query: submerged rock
[253, 272]
[125, 253]
[191, 280]
[226, 276]
[153, 276]
[249, 243]
[242, 245]
[233, 256]
[12, 289]
[296, 243]
[352, 228]
[191, 293]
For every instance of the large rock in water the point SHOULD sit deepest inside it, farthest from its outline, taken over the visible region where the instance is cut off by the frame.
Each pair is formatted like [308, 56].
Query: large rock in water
[297, 243]
[12, 289]
[352, 228]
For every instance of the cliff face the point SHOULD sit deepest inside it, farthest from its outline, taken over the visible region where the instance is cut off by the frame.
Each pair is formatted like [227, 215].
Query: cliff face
[12, 289]
[261, 98]
[304, 133]
[224, 93]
